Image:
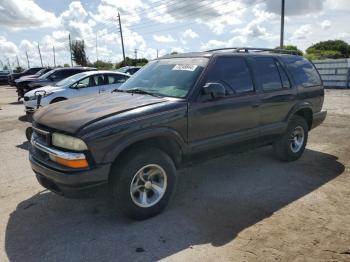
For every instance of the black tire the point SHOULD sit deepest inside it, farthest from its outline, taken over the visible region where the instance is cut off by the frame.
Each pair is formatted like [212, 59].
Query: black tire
[29, 132]
[58, 99]
[283, 147]
[123, 174]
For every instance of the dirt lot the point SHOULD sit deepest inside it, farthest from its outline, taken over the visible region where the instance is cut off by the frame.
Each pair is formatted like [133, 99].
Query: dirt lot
[246, 207]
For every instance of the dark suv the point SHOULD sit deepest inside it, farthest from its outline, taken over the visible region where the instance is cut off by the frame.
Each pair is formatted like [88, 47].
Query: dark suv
[30, 71]
[177, 106]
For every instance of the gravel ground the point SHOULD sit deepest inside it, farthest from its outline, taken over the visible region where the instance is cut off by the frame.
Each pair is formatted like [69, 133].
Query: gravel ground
[246, 207]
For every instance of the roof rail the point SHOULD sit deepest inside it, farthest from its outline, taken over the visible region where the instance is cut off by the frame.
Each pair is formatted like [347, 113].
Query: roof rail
[256, 49]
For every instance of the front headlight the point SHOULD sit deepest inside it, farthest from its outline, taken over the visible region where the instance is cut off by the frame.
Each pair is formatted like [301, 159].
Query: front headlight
[68, 142]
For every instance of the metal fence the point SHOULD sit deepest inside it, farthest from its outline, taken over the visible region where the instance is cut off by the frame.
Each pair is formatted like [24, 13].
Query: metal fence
[335, 73]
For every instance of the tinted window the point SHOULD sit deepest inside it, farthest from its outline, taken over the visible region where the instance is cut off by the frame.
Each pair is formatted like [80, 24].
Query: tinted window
[114, 79]
[233, 73]
[284, 77]
[99, 79]
[266, 73]
[303, 72]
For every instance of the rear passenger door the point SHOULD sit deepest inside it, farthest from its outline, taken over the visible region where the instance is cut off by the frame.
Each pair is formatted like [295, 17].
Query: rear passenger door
[277, 96]
[228, 119]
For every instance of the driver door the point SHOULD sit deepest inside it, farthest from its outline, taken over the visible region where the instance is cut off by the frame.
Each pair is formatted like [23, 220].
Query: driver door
[86, 86]
[234, 117]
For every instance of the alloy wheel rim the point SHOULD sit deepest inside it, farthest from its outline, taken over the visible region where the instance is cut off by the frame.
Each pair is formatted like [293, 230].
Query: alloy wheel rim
[148, 185]
[297, 139]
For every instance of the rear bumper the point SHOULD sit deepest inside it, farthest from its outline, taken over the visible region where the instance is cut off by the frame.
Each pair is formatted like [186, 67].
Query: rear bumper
[318, 118]
[70, 184]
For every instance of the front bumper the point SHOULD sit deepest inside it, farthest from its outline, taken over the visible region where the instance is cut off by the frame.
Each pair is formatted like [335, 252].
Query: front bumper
[66, 181]
[318, 118]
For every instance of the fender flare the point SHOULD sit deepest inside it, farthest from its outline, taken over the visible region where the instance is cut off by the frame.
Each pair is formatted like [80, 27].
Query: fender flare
[296, 108]
[139, 136]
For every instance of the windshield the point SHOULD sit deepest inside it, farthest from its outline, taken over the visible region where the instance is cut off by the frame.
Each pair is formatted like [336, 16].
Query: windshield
[167, 77]
[44, 76]
[123, 69]
[40, 72]
[71, 80]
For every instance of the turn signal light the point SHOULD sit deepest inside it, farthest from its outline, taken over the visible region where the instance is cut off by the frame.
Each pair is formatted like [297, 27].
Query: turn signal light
[77, 163]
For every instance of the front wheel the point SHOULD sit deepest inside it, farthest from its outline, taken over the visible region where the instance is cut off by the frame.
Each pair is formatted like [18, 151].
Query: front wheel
[292, 144]
[143, 183]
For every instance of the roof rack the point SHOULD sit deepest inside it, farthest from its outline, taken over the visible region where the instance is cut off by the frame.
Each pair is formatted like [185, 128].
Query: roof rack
[256, 49]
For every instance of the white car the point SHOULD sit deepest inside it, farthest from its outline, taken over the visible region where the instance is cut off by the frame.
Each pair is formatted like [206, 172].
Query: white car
[82, 84]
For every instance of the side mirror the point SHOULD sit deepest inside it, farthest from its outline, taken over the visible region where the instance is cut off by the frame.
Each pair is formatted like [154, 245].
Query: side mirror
[214, 90]
[52, 77]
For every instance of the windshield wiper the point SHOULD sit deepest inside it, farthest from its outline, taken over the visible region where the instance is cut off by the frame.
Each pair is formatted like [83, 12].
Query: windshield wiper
[141, 91]
[118, 90]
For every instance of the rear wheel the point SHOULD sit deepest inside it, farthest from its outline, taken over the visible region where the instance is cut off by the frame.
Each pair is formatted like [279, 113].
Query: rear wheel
[143, 183]
[292, 144]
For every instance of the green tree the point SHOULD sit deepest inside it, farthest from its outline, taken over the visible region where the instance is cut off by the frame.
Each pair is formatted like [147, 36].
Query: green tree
[291, 48]
[131, 62]
[66, 65]
[328, 49]
[102, 65]
[78, 52]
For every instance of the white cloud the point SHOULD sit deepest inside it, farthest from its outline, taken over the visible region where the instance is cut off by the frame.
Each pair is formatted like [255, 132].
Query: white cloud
[234, 41]
[24, 14]
[189, 33]
[7, 47]
[164, 38]
[302, 32]
[326, 24]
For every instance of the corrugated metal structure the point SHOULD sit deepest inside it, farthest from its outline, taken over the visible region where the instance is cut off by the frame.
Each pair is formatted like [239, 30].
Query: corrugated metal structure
[335, 73]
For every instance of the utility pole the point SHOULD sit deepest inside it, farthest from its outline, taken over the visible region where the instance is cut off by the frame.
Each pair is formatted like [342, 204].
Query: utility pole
[135, 52]
[121, 36]
[157, 52]
[27, 59]
[282, 23]
[96, 49]
[70, 50]
[41, 60]
[54, 56]
[8, 62]
[17, 60]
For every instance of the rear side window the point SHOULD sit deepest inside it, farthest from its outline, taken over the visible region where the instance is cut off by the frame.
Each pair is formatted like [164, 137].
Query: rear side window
[266, 73]
[233, 73]
[114, 79]
[303, 72]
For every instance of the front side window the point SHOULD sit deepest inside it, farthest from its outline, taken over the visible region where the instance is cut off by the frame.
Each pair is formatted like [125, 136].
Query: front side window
[266, 73]
[303, 72]
[233, 73]
[171, 77]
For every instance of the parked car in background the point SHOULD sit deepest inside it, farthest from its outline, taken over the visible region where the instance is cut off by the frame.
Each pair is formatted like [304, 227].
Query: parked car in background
[4, 76]
[176, 107]
[22, 82]
[82, 84]
[30, 71]
[130, 70]
[51, 78]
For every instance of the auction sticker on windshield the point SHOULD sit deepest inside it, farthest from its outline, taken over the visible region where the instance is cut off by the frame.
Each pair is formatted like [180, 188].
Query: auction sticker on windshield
[185, 67]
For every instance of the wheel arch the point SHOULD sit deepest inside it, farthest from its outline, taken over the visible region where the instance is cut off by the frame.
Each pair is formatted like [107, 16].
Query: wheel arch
[165, 139]
[304, 110]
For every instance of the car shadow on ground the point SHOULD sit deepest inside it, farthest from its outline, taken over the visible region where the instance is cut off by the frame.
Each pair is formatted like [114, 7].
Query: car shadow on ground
[24, 118]
[16, 103]
[214, 201]
[24, 145]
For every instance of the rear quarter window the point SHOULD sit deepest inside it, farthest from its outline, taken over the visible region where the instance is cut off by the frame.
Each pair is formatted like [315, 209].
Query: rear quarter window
[303, 72]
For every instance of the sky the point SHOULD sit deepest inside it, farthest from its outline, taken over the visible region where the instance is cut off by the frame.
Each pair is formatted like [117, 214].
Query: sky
[166, 26]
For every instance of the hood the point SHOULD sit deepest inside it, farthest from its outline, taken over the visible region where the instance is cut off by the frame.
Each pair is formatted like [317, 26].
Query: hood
[73, 114]
[47, 89]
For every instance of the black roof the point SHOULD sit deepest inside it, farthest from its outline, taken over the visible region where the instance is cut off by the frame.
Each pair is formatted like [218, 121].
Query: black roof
[235, 51]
